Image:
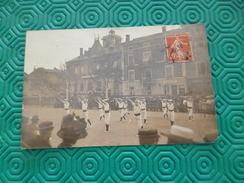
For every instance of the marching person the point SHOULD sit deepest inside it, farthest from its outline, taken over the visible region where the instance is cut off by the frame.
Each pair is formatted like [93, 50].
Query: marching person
[189, 105]
[137, 113]
[171, 111]
[100, 108]
[121, 108]
[84, 107]
[126, 109]
[164, 107]
[143, 105]
[106, 113]
[66, 105]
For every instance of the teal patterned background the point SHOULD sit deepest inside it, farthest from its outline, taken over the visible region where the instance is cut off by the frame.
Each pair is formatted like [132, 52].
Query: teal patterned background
[222, 161]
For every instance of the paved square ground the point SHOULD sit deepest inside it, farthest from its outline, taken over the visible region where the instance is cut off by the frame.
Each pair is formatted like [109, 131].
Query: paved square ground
[122, 133]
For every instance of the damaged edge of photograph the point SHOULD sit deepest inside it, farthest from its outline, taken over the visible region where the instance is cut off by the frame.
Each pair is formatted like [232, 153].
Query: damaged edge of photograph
[117, 87]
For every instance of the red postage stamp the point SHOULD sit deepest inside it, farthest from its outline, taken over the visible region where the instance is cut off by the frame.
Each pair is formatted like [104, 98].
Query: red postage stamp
[178, 47]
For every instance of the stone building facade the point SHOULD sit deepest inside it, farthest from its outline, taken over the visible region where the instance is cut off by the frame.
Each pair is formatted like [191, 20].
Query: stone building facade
[144, 65]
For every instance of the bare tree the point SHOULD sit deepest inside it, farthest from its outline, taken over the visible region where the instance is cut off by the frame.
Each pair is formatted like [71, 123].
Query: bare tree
[45, 82]
[67, 77]
[108, 72]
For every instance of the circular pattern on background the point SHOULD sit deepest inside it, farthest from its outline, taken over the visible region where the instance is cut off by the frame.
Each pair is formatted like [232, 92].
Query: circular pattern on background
[53, 166]
[205, 164]
[165, 164]
[234, 162]
[232, 85]
[228, 17]
[27, 19]
[89, 165]
[157, 13]
[233, 127]
[59, 17]
[17, 165]
[125, 15]
[18, 54]
[91, 16]
[230, 49]
[192, 13]
[13, 128]
[128, 164]
[16, 85]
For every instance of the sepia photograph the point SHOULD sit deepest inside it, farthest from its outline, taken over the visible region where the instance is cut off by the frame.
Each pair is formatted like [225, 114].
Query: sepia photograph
[118, 87]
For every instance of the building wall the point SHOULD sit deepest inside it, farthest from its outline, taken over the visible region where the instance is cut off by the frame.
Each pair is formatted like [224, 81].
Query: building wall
[145, 66]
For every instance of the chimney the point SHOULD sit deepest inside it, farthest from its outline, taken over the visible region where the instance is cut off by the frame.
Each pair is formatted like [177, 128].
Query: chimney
[81, 51]
[164, 29]
[127, 38]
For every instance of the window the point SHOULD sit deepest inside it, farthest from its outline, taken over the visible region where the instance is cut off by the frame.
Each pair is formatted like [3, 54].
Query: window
[130, 59]
[146, 56]
[169, 72]
[146, 44]
[131, 75]
[76, 70]
[177, 69]
[82, 70]
[147, 75]
[174, 89]
[201, 68]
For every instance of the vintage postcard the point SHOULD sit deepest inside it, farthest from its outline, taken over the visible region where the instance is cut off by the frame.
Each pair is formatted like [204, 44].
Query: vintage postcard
[118, 86]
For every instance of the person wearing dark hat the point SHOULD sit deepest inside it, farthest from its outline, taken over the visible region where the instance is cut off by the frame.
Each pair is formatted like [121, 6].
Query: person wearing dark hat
[148, 136]
[45, 129]
[72, 130]
[29, 132]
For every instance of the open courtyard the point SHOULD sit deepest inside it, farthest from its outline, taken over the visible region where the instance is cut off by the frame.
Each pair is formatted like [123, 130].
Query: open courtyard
[122, 133]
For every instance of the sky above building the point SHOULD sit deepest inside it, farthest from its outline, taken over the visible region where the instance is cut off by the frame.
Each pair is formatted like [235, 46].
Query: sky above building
[50, 48]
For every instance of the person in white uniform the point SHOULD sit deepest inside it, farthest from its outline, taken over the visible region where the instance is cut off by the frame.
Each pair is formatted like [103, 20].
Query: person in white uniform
[137, 113]
[189, 105]
[121, 108]
[66, 105]
[107, 113]
[171, 112]
[84, 107]
[126, 110]
[164, 107]
[143, 105]
[100, 108]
